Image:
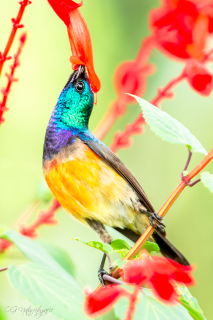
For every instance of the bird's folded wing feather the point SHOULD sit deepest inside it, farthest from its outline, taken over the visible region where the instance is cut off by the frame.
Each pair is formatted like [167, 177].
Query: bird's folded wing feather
[112, 160]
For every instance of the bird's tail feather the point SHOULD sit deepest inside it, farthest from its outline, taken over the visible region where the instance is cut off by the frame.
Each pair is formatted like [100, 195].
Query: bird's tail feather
[166, 247]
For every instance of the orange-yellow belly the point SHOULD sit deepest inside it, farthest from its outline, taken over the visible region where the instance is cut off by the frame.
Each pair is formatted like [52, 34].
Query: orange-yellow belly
[88, 188]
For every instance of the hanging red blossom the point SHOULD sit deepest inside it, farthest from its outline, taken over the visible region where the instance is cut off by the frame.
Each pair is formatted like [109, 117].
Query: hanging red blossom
[79, 37]
[199, 77]
[158, 273]
[181, 27]
[102, 300]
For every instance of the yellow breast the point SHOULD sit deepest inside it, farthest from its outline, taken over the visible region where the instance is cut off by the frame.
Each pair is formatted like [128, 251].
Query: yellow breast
[88, 188]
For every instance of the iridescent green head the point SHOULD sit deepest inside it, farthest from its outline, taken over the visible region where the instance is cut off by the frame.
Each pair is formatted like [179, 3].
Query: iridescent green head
[75, 102]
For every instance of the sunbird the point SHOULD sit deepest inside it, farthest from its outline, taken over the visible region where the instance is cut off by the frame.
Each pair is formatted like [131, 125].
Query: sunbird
[89, 180]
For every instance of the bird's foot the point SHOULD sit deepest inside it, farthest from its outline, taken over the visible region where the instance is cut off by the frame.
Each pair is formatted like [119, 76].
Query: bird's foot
[156, 221]
[101, 272]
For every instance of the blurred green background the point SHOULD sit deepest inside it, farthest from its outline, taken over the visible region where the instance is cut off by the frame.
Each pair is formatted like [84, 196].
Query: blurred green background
[117, 29]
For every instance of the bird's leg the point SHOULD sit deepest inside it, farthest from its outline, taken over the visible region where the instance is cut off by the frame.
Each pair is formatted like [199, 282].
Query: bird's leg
[101, 270]
[98, 227]
[154, 220]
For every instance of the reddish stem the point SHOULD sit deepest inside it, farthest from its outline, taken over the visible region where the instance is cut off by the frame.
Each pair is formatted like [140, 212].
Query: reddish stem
[164, 93]
[11, 78]
[3, 269]
[133, 299]
[16, 25]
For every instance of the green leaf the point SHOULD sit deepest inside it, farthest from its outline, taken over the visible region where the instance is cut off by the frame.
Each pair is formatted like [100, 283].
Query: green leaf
[49, 290]
[149, 308]
[61, 256]
[168, 128]
[104, 247]
[207, 180]
[151, 246]
[35, 252]
[121, 247]
[190, 303]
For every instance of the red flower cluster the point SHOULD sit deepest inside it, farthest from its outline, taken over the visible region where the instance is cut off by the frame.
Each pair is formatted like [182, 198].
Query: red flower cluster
[79, 37]
[157, 273]
[181, 27]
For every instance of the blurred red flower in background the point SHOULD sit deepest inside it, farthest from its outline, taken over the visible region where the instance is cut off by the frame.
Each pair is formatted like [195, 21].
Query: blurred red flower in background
[131, 77]
[79, 37]
[181, 27]
[199, 77]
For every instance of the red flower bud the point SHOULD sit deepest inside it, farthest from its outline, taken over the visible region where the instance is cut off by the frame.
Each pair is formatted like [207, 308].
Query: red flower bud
[199, 77]
[23, 37]
[129, 78]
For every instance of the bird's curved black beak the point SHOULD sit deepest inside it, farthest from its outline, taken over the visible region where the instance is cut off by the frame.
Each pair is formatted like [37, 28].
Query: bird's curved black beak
[80, 73]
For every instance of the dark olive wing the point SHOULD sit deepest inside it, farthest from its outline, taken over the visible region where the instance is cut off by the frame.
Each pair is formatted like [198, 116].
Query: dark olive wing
[113, 161]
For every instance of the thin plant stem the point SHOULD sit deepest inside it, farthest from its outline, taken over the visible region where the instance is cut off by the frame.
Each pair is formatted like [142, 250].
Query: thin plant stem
[16, 25]
[110, 279]
[133, 299]
[11, 78]
[188, 160]
[3, 269]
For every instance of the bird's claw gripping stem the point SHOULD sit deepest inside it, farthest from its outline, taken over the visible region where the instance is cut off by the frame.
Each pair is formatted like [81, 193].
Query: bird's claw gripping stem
[101, 272]
[156, 221]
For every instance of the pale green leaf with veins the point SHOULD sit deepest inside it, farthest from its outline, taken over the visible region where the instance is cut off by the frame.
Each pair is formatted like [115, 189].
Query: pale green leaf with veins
[168, 128]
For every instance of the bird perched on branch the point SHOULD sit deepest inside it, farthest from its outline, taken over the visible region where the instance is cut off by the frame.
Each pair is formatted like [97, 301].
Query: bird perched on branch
[89, 180]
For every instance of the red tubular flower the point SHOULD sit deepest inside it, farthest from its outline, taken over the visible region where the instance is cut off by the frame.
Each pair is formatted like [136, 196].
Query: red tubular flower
[102, 300]
[79, 37]
[181, 27]
[158, 273]
[199, 77]
[131, 78]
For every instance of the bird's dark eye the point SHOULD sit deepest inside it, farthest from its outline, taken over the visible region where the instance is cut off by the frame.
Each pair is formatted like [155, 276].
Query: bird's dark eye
[79, 86]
